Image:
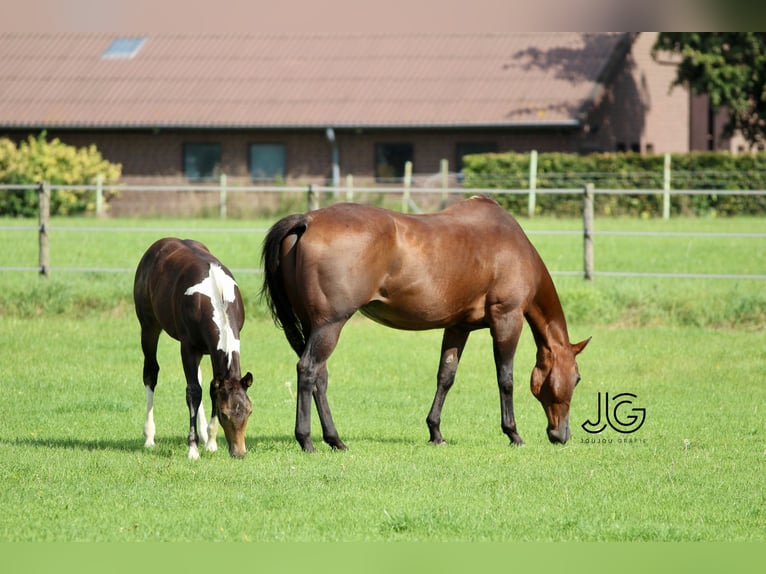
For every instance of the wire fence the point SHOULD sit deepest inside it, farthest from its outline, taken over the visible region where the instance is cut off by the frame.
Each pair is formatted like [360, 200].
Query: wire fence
[402, 197]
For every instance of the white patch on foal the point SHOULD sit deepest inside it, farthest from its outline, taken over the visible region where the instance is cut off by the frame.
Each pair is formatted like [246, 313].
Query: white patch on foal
[207, 431]
[149, 428]
[219, 288]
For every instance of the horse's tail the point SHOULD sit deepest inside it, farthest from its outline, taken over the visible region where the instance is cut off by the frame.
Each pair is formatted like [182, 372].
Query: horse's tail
[273, 290]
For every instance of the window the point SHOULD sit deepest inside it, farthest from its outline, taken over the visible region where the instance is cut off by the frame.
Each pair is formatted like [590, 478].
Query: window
[390, 160]
[202, 161]
[267, 162]
[123, 48]
[464, 149]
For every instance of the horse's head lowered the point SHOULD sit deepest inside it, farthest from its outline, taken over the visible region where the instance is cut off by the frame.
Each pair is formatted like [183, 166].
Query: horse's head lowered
[553, 382]
[234, 408]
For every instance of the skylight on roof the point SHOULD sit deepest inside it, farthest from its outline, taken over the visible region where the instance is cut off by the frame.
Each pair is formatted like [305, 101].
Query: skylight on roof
[123, 48]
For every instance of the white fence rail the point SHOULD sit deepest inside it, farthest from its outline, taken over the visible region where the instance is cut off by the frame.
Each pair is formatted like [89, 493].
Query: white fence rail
[350, 193]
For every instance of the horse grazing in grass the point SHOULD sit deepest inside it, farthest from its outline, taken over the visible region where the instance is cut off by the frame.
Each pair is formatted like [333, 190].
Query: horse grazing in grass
[181, 288]
[465, 268]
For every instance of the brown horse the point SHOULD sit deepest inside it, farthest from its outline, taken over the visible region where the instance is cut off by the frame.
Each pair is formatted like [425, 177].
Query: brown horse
[465, 268]
[180, 287]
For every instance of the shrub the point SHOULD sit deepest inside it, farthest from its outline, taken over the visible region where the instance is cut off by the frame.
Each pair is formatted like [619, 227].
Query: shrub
[36, 160]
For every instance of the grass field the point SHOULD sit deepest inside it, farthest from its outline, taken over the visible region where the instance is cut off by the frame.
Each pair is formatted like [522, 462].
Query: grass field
[73, 466]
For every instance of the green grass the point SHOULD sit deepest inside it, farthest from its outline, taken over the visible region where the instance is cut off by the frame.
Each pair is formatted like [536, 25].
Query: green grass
[635, 301]
[73, 465]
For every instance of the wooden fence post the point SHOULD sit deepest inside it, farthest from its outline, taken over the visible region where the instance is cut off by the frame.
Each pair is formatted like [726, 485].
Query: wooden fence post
[587, 219]
[100, 195]
[313, 200]
[444, 170]
[349, 187]
[44, 215]
[532, 183]
[222, 199]
[407, 183]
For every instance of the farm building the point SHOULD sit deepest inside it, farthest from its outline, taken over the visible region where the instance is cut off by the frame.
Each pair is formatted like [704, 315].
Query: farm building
[174, 108]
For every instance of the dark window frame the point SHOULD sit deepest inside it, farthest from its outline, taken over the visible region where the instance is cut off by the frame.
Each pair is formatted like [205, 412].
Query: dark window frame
[395, 149]
[213, 174]
[253, 177]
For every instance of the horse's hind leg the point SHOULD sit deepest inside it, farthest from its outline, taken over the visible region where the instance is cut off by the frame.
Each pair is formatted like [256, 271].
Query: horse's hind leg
[150, 334]
[453, 343]
[312, 380]
[329, 432]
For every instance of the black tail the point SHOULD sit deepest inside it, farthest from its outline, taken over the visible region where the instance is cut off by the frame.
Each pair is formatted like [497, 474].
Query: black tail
[273, 290]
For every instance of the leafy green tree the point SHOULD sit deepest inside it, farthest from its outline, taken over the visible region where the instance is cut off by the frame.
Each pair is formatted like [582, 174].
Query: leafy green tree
[730, 67]
[38, 159]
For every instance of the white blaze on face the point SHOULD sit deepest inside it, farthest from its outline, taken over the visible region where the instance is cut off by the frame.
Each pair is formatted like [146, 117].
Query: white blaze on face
[219, 288]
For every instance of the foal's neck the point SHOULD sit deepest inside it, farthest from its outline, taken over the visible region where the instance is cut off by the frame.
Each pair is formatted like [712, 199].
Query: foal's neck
[221, 367]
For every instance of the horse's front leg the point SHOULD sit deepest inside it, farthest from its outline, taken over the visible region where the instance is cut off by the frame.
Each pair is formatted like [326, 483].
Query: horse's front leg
[506, 330]
[312, 381]
[211, 443]
[453, 343]
[191, 359]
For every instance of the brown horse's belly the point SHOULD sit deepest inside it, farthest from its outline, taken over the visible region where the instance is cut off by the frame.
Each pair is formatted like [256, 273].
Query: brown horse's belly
[420, 319]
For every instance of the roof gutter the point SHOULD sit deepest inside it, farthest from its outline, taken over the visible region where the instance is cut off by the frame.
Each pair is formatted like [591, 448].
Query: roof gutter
[547, 125]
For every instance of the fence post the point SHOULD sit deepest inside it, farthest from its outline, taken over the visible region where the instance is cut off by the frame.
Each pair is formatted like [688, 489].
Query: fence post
[444, 170]
[313, 200]
[44, 215]
[532, 183]
[666, 188]
[407, 182]
[587, 219]
[349, 187]
[222, 200]
[100, 195]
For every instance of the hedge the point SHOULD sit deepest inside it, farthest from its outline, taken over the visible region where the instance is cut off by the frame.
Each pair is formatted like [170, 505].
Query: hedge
[696, 170]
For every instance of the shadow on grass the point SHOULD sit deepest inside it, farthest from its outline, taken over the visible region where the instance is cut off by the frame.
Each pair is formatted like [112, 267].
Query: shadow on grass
[125, 445]
[165, 446]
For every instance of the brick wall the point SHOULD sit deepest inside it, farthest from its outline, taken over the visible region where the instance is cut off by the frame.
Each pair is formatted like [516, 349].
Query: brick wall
[157, 157]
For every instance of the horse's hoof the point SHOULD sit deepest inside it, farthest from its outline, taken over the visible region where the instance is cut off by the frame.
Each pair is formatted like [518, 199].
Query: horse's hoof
[193, 452]
[440, 442]
[335, 442]
[211, 446]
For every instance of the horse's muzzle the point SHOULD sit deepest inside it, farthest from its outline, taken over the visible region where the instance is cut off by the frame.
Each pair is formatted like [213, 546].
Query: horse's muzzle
[560, 435]
[237, 448]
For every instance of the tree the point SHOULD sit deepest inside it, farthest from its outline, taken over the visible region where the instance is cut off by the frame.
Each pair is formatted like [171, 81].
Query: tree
[730, 67]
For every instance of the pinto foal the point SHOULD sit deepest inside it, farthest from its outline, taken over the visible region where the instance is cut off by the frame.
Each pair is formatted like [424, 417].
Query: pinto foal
[181, 288]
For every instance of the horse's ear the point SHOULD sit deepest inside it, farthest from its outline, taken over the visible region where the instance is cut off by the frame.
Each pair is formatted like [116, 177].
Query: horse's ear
[247, 380]
[578, 347]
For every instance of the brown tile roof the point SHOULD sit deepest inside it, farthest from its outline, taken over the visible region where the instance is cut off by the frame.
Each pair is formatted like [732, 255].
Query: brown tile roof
[263, 81]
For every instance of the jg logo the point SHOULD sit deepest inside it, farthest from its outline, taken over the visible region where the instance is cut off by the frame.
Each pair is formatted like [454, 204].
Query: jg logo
[618, 413]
